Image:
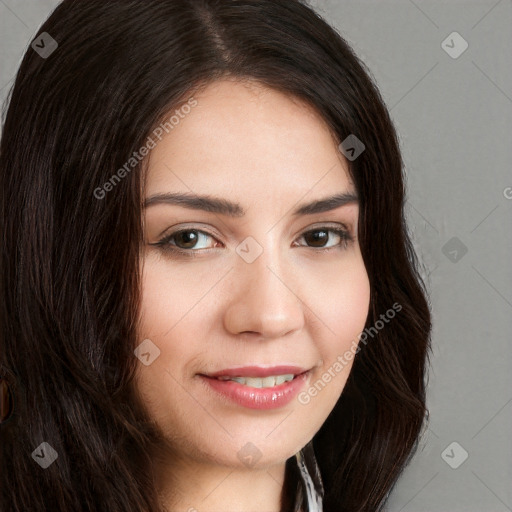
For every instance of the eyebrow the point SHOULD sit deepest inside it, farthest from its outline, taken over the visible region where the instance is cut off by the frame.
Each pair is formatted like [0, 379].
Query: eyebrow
[213, 204]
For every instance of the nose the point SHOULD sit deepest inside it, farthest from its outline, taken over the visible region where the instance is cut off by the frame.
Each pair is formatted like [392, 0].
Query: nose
[264, 299]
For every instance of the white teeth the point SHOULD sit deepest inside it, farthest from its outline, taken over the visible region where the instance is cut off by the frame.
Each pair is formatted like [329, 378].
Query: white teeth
[261, 382]
[281, 378]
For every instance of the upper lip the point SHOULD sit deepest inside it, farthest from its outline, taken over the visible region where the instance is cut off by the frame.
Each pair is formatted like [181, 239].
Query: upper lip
[257, 371]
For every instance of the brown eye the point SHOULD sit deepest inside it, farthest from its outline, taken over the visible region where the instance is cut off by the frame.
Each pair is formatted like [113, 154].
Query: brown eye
[317, 238]
[187, 242]
[186, 239]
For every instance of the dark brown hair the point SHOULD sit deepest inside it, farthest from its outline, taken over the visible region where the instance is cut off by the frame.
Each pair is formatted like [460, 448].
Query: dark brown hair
[70, 283]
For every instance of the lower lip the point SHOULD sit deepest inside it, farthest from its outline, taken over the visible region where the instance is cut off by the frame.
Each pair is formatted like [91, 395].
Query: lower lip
[258, 398]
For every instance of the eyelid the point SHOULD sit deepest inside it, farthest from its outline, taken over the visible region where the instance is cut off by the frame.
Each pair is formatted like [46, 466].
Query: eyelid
[196, 226]
[331, 224]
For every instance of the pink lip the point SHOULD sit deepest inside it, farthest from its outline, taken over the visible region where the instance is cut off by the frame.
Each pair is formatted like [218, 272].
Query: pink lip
[257, 371]
[258, 398]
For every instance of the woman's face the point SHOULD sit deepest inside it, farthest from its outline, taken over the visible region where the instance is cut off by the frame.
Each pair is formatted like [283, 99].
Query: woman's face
[250, 286]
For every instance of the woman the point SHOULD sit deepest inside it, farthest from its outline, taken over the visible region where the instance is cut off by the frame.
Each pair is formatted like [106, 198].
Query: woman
[209, 297]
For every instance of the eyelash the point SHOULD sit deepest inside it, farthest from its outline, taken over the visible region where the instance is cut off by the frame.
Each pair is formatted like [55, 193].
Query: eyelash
[344, 234]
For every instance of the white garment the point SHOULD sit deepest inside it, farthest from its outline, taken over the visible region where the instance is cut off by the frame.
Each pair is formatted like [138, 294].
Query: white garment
[313, 497]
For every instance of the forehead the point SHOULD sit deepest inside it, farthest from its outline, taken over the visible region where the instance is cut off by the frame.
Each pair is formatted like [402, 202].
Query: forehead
[242, 137]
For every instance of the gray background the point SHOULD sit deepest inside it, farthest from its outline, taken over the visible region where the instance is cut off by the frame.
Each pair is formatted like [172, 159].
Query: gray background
[454, 118]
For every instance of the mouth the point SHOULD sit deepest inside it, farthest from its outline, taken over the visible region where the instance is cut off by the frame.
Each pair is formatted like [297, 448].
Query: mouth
[256, 387]
[258, 377]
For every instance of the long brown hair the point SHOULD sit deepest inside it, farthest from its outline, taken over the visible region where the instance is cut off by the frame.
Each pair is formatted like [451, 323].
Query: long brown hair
[70, 283]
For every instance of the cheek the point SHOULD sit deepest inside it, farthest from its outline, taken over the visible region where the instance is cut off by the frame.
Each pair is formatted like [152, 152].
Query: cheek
[172, 321]
[170, 297]
[341, 304]
[338, 309]
[349, 307]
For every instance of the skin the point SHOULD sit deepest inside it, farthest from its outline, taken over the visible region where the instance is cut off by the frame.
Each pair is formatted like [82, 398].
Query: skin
[294, 304]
